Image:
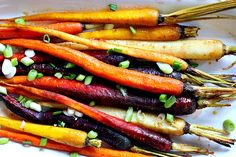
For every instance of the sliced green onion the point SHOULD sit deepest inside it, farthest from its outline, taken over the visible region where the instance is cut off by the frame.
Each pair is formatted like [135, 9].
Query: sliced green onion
[43, 142]
[8, 52]
[170, 102]
[163, 98]
[29, 53]
[92, 103]
[46, 38]
[52, 65]
[14, 62]
[165, 68]
[27, 61]
[80, 77]
[109, 26]
[32, 75]
[88, 80]
[193, 64]
[61, 124]
[2, 47]
[74, 154]
[57, 113]
[20, 21]
[133, 31]
[22, 101]
[140, 116]
[113, 7]
[92, 134]
[169, 118]
[4, 141]
[39, 75]
[27, 103]
[70, 77]
[228, 125]
[129, 114]
[35, 106]
[58, 75]
[124, 64]
[20, 98]
[111, 51]
[69, 65]
[177, 66]
[122, 89]
[27, 143]
[3, 90]
[7, 67]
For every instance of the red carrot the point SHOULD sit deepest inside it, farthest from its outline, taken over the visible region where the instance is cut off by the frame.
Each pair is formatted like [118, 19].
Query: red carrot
[88, 151]
[147, 82]
[68, 27]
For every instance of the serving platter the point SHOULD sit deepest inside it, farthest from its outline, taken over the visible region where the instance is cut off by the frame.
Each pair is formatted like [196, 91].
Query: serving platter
[215, 29]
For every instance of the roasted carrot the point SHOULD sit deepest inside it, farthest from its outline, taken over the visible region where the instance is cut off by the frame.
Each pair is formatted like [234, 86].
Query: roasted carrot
[68, 27]
[88, 151]
[146, 17]
[150, 138]
[67, 136]
[134, 52]
[160, 33]
[151, 83]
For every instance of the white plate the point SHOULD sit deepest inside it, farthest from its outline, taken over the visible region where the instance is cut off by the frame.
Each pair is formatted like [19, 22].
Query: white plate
[217, 29]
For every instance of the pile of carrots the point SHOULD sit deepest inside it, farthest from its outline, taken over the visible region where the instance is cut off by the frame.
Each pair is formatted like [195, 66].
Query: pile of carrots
[82, 79]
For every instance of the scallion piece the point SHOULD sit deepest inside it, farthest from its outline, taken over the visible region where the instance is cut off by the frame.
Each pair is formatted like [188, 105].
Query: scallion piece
[111, 51]
[61, 124]
[123, 90]
[193, 64]
[57, 113]
[27, 143]
[169, 118]
[27, 103]
[52, 65]
[20, 98]
[92, 134]
[80, 77]
[88, 80]
[3, 90]
[113, 7]
[2, 47]
[8, 52]
[32, 75]
[124, 64]
[14, 62]
[92, 103]
[228, 125]
[46, 38]
[133, 31]
[20, 21]
[170, 102]
[177, 66]
[58, 75]
[27, 61]
[129, 114]
[70, 77]
[23, 100]
[43, 142]
[165, 68]
[4, 141]
[69, 65]
[29, 53]
[163, 98]
[74, 154]
[39, 75]
[109, 26]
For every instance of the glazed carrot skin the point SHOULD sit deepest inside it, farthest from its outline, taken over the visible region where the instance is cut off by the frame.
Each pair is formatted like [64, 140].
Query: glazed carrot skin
[151, 83]
[146, 17]
[88, 151]
[160, 33]
[68, 27]
[143, 135]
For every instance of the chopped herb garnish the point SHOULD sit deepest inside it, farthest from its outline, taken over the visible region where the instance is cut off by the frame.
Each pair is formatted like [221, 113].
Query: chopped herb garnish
[80, 77]
[3, 90]
[8, 52]
[32, 75]
[113, 7]
[57, 113]
[14, 62]
[74, 154]
[70, 77]
[52, 65]
[4, 141]
[27, 103]
[22, 101]
[43, 142]
[170, 102]
[92, 103]
[193, 64]
[61, 124]
[124, 64]
[177, 66]
[39, 75]
[88, 80]
[169, 118]
[58, 75]
[92, 134]
[123, 90]
[2, 47]
[165, 68]
[163, 98]
[228, 125]
[46, 38]
[69, 65]
[20, 21]
[27, 143]
[129, 114]
[133, 31]
[20, 98]
[27, 61]
[111, 51]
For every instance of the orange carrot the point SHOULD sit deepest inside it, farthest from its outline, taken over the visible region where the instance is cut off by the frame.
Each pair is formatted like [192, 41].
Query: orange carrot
[130, 51]
[68, 27]
[147, 82]
[88, 151]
